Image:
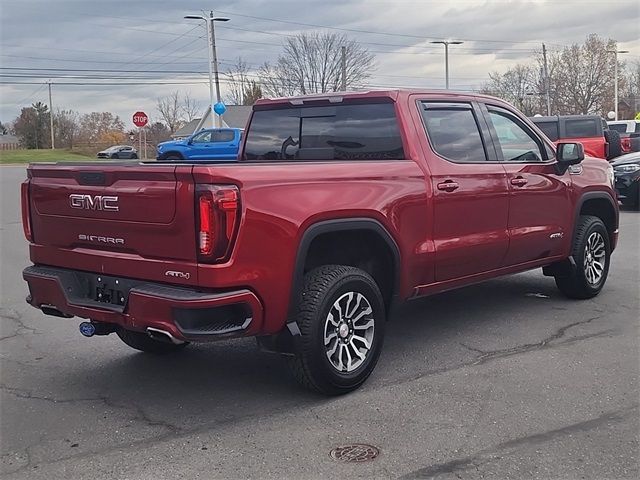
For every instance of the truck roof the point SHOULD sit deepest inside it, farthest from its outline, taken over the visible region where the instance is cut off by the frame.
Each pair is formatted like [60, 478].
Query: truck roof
[393, 94]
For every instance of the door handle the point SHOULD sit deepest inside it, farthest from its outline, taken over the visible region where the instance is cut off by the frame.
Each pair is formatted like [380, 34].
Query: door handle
[448, 186]
[519, 181]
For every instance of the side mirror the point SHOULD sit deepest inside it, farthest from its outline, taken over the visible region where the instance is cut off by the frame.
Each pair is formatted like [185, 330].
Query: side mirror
[569, 153]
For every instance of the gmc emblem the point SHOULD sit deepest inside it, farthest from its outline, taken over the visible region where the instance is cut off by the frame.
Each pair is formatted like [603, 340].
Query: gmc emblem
[94, 202]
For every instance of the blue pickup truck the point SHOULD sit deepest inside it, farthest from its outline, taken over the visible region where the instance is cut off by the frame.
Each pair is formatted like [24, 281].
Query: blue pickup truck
[209, 144]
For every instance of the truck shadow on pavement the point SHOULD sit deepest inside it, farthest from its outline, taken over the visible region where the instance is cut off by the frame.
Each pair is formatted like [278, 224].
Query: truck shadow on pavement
[214, 382]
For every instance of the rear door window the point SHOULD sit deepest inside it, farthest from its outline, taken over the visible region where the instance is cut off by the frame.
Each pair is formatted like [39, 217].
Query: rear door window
[581, 128]
[453, 132]
[341, 132]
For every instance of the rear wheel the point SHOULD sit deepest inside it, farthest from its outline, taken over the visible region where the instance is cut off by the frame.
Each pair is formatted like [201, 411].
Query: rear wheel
[143, 342]
[134, 156]
[341, 317]
[591, 253]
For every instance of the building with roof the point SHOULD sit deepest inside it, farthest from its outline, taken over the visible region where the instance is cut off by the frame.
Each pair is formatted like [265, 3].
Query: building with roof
[236, 116]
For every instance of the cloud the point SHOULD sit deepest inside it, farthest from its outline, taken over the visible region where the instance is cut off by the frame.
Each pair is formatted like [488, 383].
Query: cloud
[150, 39]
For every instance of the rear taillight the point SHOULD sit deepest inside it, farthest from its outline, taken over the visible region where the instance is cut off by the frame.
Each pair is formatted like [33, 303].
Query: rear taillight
[218, 208]
[26, 211]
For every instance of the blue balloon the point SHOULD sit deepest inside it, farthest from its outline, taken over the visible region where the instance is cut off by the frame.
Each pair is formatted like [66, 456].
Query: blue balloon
[219, 108]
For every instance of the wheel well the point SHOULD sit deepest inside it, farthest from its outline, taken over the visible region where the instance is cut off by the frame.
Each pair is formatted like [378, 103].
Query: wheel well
[174, 154]
[362, 248]
[601, 208]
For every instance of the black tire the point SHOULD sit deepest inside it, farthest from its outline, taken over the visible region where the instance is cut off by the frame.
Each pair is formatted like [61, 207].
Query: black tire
[173, 157]
[114, 156]
[144, 343]
[615, 144]
[134, 156]
[577, 285]
[323, 287]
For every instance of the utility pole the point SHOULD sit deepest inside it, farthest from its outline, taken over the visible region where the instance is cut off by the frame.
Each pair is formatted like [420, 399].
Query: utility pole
[216, 121]
[215, 67]
[344, 69]
[53, 146]
[446, 44]
[547, 86]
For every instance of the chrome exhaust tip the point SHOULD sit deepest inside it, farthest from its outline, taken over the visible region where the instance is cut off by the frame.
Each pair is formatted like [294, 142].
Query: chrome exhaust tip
[163, 336]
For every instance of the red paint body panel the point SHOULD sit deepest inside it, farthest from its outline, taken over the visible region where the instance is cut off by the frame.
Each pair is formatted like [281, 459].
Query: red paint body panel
[446, 239]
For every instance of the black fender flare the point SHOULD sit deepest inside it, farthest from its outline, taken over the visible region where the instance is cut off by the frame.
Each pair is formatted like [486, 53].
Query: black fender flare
[338, 225]
[594, 196]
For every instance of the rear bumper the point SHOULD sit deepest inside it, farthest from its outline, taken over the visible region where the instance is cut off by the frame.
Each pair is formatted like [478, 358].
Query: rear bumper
[187, 314]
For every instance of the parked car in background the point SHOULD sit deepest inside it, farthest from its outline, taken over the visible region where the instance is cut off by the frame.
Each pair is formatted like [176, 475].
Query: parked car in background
[119, 151]
[626, 170]
[629, 131]
[590, 130]
[210, 144]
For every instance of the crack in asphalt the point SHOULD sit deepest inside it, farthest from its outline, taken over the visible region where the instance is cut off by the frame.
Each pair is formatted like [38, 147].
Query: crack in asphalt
[487, 356]
[490, 454]
[16, 317]
[527, 347]
[176, 431]
[139, 413]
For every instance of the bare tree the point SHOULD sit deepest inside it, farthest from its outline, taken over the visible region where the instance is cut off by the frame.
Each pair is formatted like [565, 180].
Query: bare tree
[518, 85]
[67, 127]
[252, 92]
[237, 78]
[190, 108]
[311, 63]
[101, 127]
[632, 80]
[583, 77]
[580, 78]
[170, 110]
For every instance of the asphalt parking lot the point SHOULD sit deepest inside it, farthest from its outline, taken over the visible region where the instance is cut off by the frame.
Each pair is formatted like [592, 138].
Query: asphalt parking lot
[506, 379]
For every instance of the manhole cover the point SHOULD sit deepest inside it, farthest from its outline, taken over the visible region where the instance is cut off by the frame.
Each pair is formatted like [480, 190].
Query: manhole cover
[355, 453]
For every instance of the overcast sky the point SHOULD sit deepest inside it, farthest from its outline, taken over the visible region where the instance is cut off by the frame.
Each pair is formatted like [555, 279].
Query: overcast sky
[80, 42]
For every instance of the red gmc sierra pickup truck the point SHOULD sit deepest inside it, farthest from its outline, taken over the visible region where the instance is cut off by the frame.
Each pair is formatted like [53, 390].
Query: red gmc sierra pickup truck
[340, 206]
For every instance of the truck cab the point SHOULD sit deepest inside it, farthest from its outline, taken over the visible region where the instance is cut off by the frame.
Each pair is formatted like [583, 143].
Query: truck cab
[207, 144]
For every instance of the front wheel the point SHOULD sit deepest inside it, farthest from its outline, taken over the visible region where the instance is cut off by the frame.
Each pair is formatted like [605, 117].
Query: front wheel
[591, 252]
[341, 317]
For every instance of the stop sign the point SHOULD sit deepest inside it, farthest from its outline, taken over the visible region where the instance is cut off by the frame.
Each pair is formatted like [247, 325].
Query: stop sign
[140, 119]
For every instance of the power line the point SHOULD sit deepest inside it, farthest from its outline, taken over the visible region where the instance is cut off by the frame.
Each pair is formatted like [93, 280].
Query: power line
[32, 94]
[371, 32]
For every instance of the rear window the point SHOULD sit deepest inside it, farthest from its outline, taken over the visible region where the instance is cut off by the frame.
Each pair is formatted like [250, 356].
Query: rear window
[340, 132]
[550, 129]
[620, 128]
[581, 128]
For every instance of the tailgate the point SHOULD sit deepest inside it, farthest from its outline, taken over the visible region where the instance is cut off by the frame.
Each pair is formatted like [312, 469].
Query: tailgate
[136, 211]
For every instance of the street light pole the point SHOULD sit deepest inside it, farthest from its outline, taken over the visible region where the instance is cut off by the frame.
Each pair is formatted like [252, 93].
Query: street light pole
[446, 44]
[216, 121]
[615, 78]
